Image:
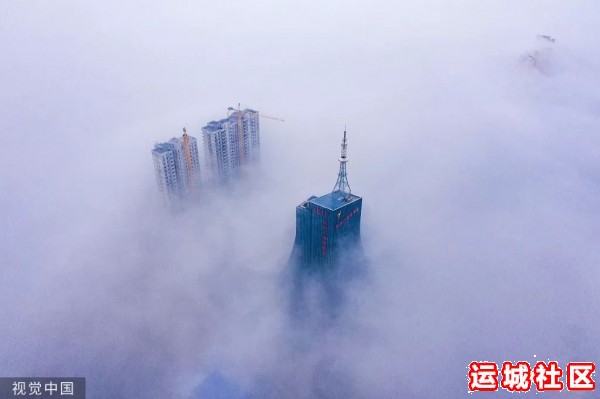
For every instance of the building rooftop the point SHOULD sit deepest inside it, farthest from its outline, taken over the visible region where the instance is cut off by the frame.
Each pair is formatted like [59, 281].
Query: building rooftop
[335, 200]
[213, 126]
[161, 148]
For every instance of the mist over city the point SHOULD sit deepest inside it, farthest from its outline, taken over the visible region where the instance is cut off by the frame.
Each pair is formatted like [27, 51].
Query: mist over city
[473, 138]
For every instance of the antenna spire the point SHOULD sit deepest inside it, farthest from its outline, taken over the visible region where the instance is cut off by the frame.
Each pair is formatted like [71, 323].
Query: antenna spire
[342, 185]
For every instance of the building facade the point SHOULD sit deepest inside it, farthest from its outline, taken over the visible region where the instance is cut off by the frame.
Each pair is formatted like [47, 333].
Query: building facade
[230, 143]
[177, 168]
[166, 171]
[188, 162]
[326, 227]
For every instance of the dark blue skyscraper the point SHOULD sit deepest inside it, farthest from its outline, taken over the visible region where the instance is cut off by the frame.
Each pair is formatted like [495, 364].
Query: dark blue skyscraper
[327, 251]
[328, 227]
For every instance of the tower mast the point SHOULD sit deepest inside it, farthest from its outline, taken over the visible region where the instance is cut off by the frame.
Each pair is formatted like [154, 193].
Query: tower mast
[342, 184]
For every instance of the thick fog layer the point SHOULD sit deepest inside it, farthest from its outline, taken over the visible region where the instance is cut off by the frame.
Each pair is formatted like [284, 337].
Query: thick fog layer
[474, 143]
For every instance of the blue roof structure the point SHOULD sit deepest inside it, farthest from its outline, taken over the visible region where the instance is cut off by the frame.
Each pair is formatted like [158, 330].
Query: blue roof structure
[161, 148]
[334, 200]
[213, 126]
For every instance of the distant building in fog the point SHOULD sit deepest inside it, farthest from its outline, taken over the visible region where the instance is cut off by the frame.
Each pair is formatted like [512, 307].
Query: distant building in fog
[230, 143]
[177, 168]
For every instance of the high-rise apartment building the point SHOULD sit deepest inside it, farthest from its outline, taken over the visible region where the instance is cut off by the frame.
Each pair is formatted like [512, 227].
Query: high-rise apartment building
[166, 173]
[230, 143]
[177, 168]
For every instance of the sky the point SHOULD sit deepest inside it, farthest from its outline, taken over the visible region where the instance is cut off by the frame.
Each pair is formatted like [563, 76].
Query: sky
[478, 171]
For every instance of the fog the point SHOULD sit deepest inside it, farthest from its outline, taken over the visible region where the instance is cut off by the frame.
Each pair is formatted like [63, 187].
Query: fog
[478, 171]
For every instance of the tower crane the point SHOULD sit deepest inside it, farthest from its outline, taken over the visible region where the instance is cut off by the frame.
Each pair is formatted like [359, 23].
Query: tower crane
[259, 114]
[188, 157]
[240, 127]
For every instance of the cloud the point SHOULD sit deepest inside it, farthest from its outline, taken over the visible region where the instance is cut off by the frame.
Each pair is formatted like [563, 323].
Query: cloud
[479, 179]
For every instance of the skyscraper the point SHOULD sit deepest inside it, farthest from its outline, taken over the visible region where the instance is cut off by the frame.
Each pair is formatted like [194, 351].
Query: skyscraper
[177, 168]
[230, 143]
[328, 227]
[327, 251]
